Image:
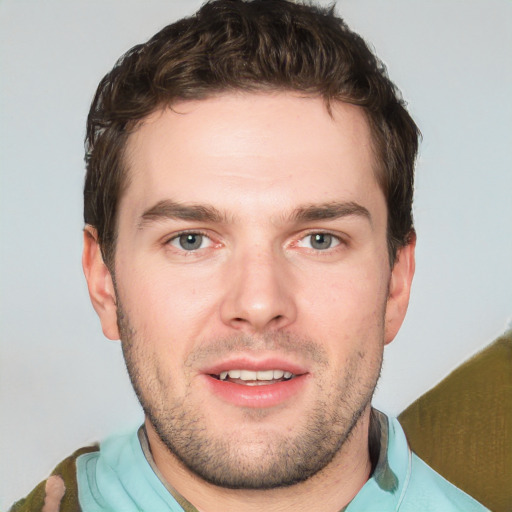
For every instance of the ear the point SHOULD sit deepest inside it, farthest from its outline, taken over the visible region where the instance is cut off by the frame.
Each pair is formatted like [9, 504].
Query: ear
[100, 284]
[400, 288]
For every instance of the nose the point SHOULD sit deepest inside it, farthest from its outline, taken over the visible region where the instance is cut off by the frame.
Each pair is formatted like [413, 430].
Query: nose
[258, 294]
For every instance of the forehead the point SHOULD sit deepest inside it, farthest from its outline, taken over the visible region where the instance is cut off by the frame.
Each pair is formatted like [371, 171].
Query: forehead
[243, 150]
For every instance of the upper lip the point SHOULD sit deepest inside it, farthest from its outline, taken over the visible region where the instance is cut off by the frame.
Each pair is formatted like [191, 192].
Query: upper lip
[254, 364]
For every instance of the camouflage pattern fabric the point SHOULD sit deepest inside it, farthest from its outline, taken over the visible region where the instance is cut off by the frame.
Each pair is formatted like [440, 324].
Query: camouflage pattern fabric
[59, 492]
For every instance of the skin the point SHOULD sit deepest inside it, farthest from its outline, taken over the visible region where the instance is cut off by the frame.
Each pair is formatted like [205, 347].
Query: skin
[257, 292]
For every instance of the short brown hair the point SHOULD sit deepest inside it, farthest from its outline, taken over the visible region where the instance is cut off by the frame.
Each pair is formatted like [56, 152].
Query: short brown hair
[251, 46]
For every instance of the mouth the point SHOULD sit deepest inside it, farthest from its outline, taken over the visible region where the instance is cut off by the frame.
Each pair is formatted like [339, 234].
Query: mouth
[254, 378]
[245, 382]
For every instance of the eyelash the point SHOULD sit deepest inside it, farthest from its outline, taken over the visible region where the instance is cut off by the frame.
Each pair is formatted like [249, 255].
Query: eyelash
[177, 236]
[337, 239]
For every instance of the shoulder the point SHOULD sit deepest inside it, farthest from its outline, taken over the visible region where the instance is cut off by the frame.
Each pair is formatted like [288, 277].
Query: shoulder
[426, 490]
[59, 492]
[403, 482]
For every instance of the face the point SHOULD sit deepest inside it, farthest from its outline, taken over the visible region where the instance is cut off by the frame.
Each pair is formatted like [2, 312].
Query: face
[253, 293]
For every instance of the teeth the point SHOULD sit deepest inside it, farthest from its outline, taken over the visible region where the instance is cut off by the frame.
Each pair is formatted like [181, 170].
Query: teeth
[248, 375]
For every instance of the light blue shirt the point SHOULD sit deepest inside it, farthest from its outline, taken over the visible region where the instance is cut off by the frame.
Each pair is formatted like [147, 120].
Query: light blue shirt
[120, 477]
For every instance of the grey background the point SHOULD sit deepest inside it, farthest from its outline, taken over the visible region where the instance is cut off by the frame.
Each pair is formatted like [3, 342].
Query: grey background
[62, 385]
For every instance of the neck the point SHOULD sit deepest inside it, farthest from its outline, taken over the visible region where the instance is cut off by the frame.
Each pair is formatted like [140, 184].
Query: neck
[334, 486]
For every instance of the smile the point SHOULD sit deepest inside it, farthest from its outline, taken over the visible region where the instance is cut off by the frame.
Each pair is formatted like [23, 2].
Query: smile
[255, 378]
[256, 388]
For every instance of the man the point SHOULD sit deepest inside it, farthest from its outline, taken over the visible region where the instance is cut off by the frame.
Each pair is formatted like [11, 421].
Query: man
[249, 238]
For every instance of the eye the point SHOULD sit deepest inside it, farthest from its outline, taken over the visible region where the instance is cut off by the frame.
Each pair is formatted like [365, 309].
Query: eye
[190, 241]
[319, 241]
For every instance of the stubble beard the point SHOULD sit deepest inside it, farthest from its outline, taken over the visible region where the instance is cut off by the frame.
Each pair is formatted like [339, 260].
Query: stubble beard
[269, 460]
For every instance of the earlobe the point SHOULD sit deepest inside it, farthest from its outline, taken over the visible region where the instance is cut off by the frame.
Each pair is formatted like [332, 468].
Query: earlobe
[100, 284]
[400, 288]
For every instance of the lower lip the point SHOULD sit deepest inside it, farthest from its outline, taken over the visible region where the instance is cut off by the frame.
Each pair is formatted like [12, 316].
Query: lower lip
[261, 396]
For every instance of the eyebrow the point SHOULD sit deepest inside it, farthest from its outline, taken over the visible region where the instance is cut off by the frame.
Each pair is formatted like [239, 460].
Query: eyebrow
[167, 209]
[330, 211]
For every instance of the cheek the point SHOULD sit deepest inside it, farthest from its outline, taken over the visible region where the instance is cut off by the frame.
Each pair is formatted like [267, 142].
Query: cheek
[166, 303]
[347, 305]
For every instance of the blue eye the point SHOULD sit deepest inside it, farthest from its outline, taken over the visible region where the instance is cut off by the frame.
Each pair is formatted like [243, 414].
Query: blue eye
[190, 241]
[320, 241]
